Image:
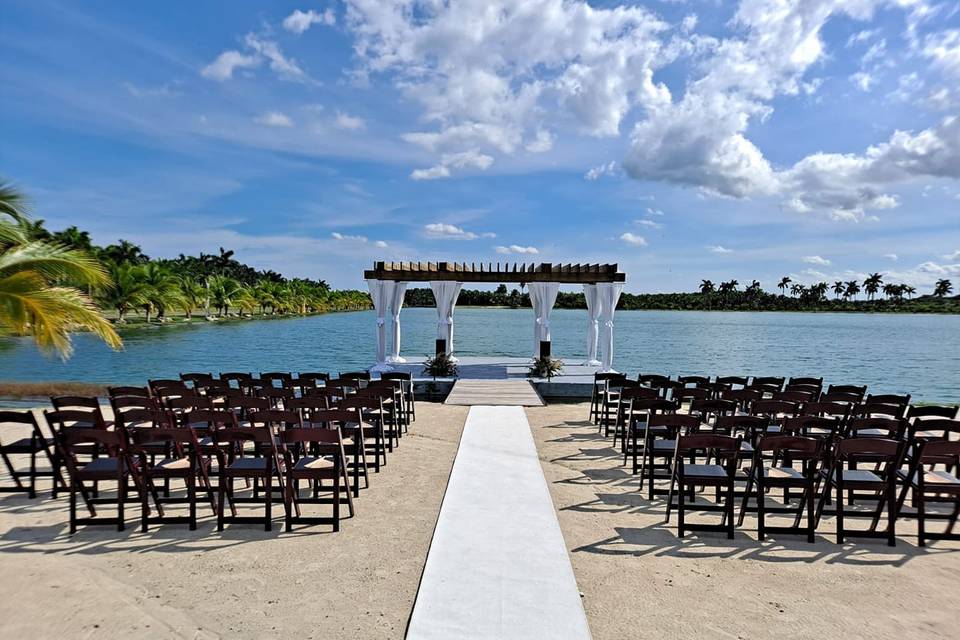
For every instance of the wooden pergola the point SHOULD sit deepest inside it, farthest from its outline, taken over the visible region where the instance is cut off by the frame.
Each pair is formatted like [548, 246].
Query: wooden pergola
[494, 272]
[602, 285]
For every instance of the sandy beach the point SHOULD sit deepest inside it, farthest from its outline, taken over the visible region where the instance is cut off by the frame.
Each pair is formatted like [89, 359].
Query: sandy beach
[638, 580]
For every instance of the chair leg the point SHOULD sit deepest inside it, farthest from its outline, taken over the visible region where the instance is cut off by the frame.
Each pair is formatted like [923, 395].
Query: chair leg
[810, 514]
[221, 498]
[728, 512]
[336, 494]
[268, 507]
[121, 499]
[73, 506]
[144, 512]
[192, 497]
[891, 501]
[839, 486]
[761, 508]
[33, 471]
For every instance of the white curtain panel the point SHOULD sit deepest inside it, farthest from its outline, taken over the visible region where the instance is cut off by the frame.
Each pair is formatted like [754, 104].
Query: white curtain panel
[380, 294]
[592, 296]
[533, 292]
[609, 296]
[445, 293]
[397, 292]
[543, 295]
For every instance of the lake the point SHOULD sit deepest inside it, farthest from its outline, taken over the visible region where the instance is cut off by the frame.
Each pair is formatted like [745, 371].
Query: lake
[918, 354]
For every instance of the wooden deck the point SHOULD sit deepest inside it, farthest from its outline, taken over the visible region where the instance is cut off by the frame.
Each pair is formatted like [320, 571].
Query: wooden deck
[510, 393]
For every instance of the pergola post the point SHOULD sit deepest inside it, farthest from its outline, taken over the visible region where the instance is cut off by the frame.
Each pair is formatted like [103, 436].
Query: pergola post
[396, 303]
[445, 294]
[543, 295]
[609, 296]
[380, 295]
[592, 295]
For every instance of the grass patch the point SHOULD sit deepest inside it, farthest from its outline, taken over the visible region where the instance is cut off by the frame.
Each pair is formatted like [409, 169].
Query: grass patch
[10, 389]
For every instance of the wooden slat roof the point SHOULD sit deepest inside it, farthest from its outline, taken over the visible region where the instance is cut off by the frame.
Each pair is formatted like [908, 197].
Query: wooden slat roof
[495, 272]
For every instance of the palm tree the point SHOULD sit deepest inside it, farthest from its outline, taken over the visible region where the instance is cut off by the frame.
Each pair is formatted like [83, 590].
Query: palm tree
[223, 293]
[872, 284]
[124, 252]
[797, 289]
[909, 290]
[819, 291]
[163, 290]
[193, 296]
[852, 289]
[129, 290]
[754, 287]
[838, 289]
[784, 283]
[943, 288]
[706, 286]
[30, 301]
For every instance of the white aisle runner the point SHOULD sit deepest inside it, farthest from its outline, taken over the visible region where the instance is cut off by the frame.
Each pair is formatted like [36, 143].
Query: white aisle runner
[498, 566]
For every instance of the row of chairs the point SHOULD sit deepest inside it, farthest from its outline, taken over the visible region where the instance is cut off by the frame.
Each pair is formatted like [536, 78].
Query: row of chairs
[744, 444]
[320, 431]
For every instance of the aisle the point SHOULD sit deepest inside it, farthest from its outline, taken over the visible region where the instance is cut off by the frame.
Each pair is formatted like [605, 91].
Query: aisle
[501, 393]
[498, 565]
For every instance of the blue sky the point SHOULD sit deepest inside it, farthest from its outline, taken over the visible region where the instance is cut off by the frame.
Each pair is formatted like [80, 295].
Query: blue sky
[684, 140]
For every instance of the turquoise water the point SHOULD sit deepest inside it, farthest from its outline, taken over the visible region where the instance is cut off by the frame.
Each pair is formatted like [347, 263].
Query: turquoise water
[891, 353]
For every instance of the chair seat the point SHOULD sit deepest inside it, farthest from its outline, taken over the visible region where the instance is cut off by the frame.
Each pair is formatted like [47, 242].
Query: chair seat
[662, 444]
[859, 477]
[24, 445]
[247, 467]
[773, 474]
[873, 433]
[175, 466]
[102, 469]
[704, 471]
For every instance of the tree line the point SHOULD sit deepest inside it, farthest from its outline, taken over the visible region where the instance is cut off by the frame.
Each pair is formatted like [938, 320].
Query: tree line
[728, 296]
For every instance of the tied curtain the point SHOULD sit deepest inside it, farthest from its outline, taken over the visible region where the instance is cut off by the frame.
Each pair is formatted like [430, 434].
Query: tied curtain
[445, 293]
[543, 295]
[397, 291]
[380, 295]
[609, 296]
[592, 296]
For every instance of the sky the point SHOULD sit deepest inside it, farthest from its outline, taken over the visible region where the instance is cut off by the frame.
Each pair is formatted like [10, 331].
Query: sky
[683, 140]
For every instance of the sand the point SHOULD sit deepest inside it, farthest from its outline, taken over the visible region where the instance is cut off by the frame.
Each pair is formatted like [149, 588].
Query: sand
[242, 583]
[640, 581]
[637, 578]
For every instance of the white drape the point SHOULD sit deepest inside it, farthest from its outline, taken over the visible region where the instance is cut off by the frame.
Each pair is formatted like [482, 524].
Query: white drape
[592, 296]
[397, 292]
[379, 293]
[533, 293]
[609, 296]
[543, 295]
[445, 293]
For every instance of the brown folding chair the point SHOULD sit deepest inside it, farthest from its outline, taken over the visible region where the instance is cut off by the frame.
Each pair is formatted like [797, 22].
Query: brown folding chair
[25, 438]
[934, 485]
[370, 409]
[660, 434]
[316, 455]
[785, 450]
[629, 412]
[116, 465]
[350, 424]
[688, 475]
[182, 462]
[881, 482]
[599, 389]
[262, 465]
[406, 388]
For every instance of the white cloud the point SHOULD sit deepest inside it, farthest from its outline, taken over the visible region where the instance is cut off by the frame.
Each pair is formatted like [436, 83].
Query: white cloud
[716, 248]
[891, 256]
[635, 240]
[491, 75]
[340, 237]
[350, 123]
[514, 248]
[648, 223]
[463, 160]
[689, 23]
[440, 230]
[861, 36]
[274, 119]
[542, 143]
[862, 80]
[285, 67]
[953, 256]
[299, 21]
[819, 260]
[654, 212]
[602, 170]
[227, 62]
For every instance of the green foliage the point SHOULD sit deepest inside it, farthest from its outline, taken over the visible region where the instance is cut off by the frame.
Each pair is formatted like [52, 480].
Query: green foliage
[545, 367]
[440, 366]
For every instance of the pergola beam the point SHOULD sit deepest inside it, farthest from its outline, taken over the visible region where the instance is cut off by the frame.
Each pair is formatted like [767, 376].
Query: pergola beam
[509, 272]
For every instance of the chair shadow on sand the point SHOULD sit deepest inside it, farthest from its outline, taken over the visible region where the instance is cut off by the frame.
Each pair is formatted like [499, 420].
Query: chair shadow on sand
[660, 538]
